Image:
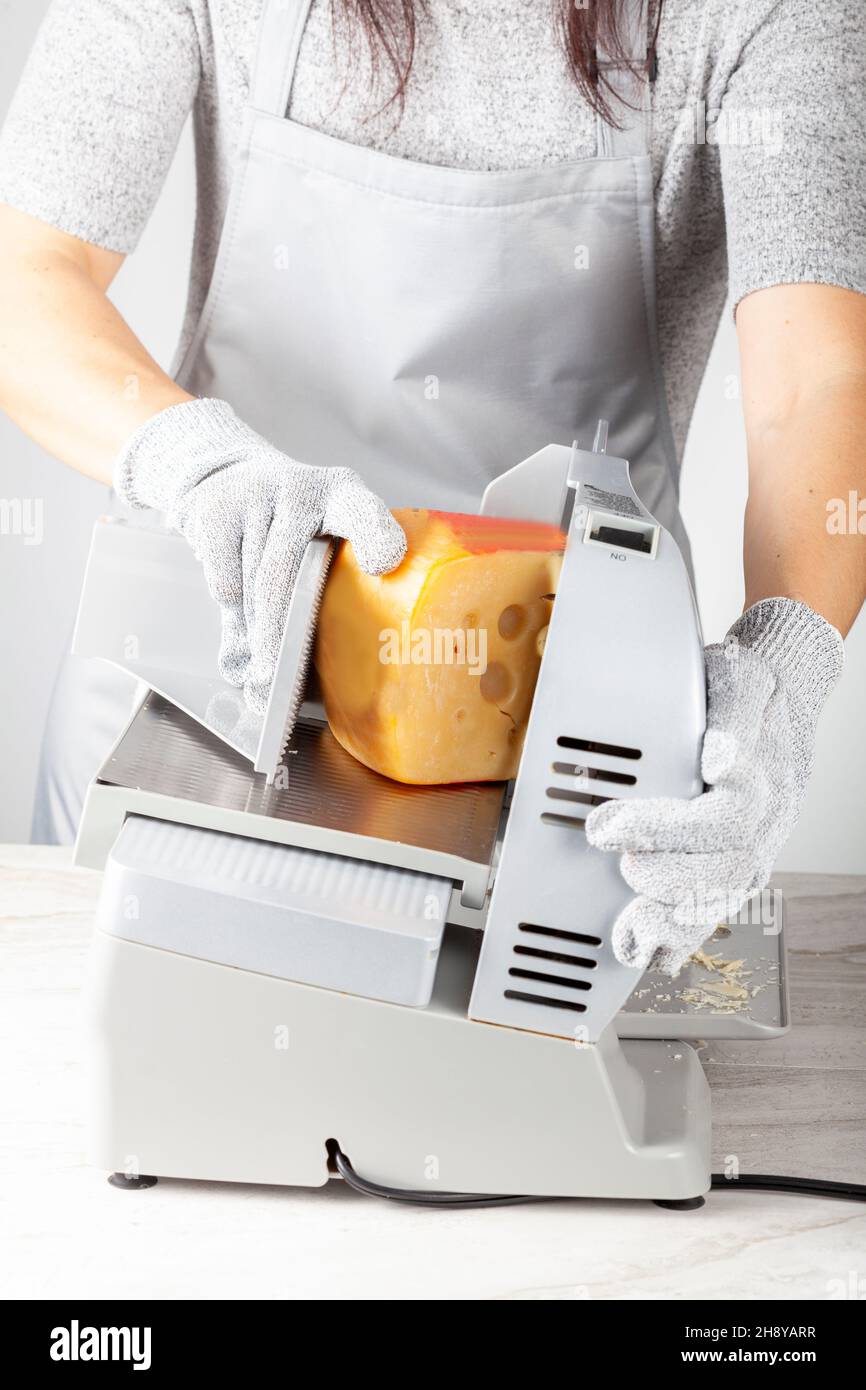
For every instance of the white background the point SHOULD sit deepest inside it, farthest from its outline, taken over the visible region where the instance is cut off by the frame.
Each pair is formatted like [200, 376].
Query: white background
[39, 584]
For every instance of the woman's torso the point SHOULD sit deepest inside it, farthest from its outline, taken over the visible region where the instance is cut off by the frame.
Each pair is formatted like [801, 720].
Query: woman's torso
[489, 88]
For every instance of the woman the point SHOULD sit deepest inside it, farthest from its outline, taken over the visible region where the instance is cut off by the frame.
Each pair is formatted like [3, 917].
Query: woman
[449, 232]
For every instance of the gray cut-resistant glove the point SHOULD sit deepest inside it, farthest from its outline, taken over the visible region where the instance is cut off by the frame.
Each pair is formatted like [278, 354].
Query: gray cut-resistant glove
[693, 863]
[248, 511]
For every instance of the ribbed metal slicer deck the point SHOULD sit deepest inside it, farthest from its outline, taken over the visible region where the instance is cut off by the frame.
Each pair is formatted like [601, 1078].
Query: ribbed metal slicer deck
[167, 766]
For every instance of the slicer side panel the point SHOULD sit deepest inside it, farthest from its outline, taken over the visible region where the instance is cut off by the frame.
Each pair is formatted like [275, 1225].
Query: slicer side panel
[619, 711]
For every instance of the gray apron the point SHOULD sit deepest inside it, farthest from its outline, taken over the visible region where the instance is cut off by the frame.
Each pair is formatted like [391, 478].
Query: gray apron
[427, 326]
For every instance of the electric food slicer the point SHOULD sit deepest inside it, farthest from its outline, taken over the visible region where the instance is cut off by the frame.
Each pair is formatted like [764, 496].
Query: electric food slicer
[298, 962]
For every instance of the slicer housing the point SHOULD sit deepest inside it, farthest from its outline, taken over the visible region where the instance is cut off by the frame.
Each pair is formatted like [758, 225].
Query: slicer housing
[271, 990]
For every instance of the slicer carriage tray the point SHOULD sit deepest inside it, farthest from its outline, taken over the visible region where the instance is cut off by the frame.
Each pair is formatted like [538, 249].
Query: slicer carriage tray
[166, 766]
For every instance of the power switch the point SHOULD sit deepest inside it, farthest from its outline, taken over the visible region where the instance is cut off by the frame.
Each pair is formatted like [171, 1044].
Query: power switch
[621, 533]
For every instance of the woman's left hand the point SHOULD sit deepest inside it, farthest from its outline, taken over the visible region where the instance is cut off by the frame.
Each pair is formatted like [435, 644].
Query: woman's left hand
[692, 863]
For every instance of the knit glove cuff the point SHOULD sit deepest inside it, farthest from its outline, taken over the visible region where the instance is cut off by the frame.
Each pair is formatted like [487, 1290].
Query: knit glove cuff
[804, 652]
[178, 447]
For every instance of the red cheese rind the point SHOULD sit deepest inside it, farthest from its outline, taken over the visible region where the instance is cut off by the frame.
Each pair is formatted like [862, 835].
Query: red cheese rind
[480, 534]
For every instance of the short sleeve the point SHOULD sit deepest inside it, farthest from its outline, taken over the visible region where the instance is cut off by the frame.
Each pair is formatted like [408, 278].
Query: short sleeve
[792, 142]
[94, 123]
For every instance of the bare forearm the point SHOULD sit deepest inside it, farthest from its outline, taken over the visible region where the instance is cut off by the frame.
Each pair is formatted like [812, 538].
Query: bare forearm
[803, 355]
[72, 373]
[802, 538]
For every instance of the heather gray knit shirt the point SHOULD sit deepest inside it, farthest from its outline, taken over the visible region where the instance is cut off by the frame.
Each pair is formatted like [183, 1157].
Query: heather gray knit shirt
[770, 191]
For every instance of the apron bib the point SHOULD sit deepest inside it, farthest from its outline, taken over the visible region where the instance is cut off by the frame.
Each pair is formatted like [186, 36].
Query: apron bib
[429, 327]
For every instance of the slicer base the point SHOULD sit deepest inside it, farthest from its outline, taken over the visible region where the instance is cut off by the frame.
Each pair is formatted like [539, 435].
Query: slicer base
[208, 1072]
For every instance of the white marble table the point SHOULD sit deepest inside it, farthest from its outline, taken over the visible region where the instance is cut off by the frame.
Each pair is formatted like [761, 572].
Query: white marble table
[64, 1232]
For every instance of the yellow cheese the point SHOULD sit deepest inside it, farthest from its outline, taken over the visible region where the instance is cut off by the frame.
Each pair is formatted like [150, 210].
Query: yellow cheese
[428, 672]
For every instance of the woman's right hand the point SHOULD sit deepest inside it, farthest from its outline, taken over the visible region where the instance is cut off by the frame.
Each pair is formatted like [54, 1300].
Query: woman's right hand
[248, 511]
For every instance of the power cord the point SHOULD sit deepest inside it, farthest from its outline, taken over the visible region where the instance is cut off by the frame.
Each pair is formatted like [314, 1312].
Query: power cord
[457, 1201]
[812, 1187]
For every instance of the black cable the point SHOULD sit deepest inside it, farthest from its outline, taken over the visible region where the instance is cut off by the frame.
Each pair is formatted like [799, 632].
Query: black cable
[815, 1187]
[457, 1201]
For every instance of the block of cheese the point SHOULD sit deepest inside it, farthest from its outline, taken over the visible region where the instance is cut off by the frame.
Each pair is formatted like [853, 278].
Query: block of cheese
[427, 673]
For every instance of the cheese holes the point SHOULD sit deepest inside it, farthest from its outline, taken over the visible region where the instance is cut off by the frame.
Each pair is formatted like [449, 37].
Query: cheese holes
[512, 621]
[497, 683]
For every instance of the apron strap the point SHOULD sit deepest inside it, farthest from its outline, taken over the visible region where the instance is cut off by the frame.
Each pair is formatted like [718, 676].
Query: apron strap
[280, 30]
[630, 91]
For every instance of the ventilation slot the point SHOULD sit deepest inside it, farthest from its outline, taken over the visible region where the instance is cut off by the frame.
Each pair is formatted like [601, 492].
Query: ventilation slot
[542, 999]
[557, 956]
[582, 802]
[549, 979]
[564, 822]
[594, 774]
[559, 933]
[582, 798]
[608, 750]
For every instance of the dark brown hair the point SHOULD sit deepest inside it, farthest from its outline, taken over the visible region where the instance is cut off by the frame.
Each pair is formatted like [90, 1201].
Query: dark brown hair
[389, 28]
